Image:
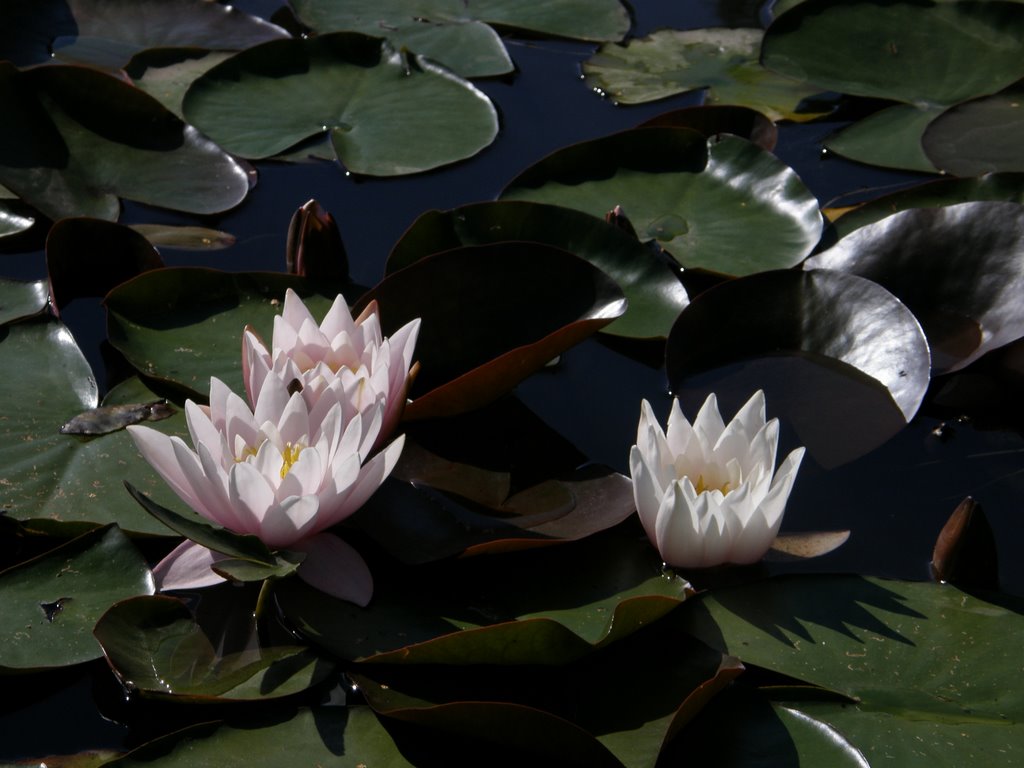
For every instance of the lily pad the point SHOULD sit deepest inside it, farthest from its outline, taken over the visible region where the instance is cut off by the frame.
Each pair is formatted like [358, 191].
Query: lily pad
[654, 293]
[958, 268]
[567, 602]
[185, 237]
[19, 300]
[482, 332]
[65, 482]
[907, 653]
[346, 737]
[12, 222]
[52, 602]
[810, 340]
[888, 49]
[167, 75]
[185, 325]
[979, 136]
[711, 120]
[890, 138]
[725, 61]
[387, 112]
[74, 140]
[721, 204]
[88, 257]
[155, 646]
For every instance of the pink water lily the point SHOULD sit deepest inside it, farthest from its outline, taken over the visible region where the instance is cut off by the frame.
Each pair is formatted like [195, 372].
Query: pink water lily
[347, 360]
[283, 471]
[708, 493]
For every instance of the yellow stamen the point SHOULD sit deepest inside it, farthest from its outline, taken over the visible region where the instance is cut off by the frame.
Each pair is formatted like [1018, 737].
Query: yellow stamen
[701, 487]
[247, 452]
[289, 456]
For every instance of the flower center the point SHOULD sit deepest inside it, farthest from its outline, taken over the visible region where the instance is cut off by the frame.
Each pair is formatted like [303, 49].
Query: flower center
[702, 487]
[289, 456]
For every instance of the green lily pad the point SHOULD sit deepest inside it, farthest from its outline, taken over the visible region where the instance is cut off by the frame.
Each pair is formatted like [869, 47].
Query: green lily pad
[567, 601]
[958, 268]
[185, 237]
[167, 75]
[810, 340]
[979, 136]
[155, 646]
[185, 325]
[905, 652]
[52, 601]
[725, 61]
[482, 332]
[12, 222]
[74, 140]
[346, 737]
[655, 295]
[930, 53]
[710, 120]
[890, 138]
[64, 481]
[571, 715]
[387, 112]
[19, 300]
[722, 204]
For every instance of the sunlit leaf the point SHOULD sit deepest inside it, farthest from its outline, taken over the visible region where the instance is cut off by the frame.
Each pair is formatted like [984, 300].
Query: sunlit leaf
[959, 268]
[810, 340]
[654, 293]
[12, 222]
[725, 61]
[387, 112]
[890, 50]
[52, 602]
[720, 204]
[22, 299]
[155, 646]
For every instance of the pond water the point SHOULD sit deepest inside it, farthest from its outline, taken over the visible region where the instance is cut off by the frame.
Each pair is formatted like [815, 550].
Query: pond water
[894, 499]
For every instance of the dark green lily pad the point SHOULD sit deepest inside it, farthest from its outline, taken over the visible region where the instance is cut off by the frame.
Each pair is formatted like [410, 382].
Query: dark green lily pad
[105, 33]
[155, 646]
[891, 50]
[64, 482]
[387, 112]
[711, 120]
[185, 325]
[810, 340]
[725, 61]
[980, 136]
[722, 204]
[88, 257]
[567, 601]
[185, 237]
[337, 736]
[52, 602]
[167, 75]
[74, 140]
[920, 653]
[19, 300]
[12, 222]
[654, 293]
[488, 321]
[958, 268]
[571, 715]
[890, 138]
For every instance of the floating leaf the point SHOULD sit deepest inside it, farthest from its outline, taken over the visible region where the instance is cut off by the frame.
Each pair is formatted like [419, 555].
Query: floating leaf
[890, 138]
[19, 300]
[722, 204]
[566, 603]
[713, 120]
[960, 270]
[74, 140]
[481, 334]
[184, 237]
[12, 222]
[888, 49]
[63, 481]
[88, 257]
[387, 112]
[810, 340]
[654, 294]
[167, 75]
[52, 601]
[725, 61]
[155, 646]
[800, 546]
[185, 325]
[979, 136]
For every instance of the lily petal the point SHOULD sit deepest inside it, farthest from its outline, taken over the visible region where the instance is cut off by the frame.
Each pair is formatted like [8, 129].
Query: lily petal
[187, 567]
[334, 567]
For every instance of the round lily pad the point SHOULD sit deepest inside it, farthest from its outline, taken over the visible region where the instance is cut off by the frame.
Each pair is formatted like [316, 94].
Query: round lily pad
[979, 136]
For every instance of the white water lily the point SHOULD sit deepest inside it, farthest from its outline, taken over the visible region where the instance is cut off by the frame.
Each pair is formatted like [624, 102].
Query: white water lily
[347, 360]
[708, 494]
[284, 472]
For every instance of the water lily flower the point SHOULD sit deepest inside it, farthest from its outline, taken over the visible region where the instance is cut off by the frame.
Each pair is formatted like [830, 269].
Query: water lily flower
[283, 472]
[709, 494]
[347, 360]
